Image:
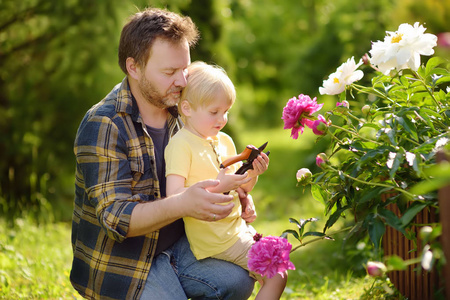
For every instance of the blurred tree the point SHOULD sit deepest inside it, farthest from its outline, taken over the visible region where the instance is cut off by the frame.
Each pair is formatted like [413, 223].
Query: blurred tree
[49, 61]
[284, 48]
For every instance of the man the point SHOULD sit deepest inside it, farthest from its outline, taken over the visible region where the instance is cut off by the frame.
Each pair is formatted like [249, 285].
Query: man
[127, 237]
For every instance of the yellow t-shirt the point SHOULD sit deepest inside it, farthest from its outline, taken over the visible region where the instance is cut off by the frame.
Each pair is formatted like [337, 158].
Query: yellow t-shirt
[197, 159]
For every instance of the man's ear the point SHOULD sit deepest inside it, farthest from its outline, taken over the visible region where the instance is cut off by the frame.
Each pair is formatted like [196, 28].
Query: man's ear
[185, 108]
[132, 68]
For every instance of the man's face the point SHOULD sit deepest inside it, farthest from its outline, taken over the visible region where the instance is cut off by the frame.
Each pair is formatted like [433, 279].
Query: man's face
[165, 74]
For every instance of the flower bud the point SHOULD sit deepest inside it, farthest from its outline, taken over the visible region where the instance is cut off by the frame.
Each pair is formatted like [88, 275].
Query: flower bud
[342, 107]
[425, 232]
[344, 103]
[366, 59]
[320, 126]
[376, 269]
[321, 160]
[365, 109]
[304, 176]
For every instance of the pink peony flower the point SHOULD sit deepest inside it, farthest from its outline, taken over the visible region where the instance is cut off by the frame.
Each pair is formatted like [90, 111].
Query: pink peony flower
[298, 112]
[270, 256]
[320, 126]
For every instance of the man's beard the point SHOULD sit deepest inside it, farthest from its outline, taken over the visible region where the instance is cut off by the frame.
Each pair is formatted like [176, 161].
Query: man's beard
[155, 98]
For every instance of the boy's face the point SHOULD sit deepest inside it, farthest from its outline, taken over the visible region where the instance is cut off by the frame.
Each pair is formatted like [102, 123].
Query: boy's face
[164, 76]
[206, 121]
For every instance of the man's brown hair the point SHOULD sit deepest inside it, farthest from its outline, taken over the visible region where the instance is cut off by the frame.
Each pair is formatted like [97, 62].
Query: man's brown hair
[144, 27]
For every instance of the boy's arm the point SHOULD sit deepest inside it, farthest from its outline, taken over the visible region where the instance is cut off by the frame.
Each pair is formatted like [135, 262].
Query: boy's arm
[175, 184]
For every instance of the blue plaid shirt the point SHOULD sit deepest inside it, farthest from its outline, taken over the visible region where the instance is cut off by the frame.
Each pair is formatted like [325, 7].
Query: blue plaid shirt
[115, 171]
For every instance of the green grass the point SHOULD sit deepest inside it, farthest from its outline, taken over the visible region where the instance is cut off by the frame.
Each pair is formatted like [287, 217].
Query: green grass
[35, 261]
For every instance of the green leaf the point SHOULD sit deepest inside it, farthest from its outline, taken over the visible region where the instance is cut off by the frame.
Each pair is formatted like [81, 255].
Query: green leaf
[314, 233]
[411, 212]
[317, 193]
[440, 177]
[293, 232]
[334, 217]
[396, 164]
[395, 262]
[408, 126]
[443, 80]
[294, 221]
[355, 229]
[373, 193]
[371, 154]
[391, 219]
[375, 126]
[376, 230]
[433, 63]
[391, 133]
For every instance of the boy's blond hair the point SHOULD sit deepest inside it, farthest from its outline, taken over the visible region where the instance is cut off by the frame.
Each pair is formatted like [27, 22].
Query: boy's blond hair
[204, 82]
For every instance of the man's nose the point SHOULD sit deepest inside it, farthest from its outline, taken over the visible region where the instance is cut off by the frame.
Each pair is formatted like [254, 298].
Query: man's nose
[181, 80]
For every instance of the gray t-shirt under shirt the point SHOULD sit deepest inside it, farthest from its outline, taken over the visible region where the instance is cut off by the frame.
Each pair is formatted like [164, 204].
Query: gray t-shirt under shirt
[172, 232]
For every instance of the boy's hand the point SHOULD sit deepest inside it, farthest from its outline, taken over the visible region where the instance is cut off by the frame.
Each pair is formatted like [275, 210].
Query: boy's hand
[248, 206]
[229, 182]
[260, 165]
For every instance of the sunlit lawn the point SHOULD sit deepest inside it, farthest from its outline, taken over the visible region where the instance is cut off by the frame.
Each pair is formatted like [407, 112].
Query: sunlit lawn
[35, 264]
[35, 260]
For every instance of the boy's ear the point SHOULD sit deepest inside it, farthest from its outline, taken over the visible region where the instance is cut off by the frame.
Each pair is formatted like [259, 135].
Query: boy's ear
[133, 69]
[185, 108]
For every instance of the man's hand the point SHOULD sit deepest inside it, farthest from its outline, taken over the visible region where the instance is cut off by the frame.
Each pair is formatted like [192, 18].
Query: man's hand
[248, 207]
[201, 204]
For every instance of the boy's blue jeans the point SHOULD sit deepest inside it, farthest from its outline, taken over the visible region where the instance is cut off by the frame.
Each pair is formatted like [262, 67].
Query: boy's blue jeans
[176, 274]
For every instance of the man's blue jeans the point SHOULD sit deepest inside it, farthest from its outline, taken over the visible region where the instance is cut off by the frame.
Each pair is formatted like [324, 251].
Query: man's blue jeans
[176, 274]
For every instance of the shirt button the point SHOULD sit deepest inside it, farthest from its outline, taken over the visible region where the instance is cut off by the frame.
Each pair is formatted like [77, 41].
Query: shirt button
[139, 287]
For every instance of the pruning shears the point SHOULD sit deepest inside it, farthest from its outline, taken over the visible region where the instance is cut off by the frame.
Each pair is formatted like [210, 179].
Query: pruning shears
[249, 154]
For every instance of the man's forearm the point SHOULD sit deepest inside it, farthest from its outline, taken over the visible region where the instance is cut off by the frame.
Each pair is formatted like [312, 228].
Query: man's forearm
[151, 216]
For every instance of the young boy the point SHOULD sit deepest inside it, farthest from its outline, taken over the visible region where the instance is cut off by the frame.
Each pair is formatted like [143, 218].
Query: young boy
[196, 152]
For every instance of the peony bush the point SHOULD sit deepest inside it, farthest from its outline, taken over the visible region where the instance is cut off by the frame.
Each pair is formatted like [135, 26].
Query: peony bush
[383, 139]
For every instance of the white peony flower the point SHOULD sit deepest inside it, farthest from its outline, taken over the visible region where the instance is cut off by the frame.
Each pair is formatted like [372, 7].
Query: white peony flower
[410, 158]
[402, 49]
[427, 258]
[345, 75]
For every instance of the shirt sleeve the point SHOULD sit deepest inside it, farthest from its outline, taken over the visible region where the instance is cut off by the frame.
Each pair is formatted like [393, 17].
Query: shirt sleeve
[104, 172]
[178, 157]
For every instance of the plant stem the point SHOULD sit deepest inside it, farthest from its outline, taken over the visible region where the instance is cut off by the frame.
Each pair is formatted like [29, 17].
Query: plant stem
[355, 133]
[320, 238]
[355, 118]
[361, 88]
[373, 183]
[425, 86]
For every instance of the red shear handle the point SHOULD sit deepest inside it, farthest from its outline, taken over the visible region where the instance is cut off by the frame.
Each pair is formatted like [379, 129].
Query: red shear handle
[244, 155]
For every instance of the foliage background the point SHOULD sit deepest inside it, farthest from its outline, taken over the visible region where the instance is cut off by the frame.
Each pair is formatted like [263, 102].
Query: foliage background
[58, 58]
